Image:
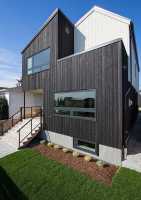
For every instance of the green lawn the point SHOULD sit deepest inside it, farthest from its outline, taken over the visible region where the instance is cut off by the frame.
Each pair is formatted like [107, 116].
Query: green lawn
[28, 175]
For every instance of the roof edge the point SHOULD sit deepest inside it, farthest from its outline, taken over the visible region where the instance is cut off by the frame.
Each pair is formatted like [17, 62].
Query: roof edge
[93, 48]
[42, 27]
[105, 12]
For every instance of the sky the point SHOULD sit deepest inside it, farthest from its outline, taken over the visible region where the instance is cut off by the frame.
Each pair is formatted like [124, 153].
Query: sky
[20, 20]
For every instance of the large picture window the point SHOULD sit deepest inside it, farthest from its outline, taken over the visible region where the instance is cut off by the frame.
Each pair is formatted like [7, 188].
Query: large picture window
[38, 62]
[76, 104]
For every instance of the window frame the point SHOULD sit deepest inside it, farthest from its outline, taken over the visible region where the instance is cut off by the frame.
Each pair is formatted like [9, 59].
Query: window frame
[76, 117]
[87, 149]
[31, 68]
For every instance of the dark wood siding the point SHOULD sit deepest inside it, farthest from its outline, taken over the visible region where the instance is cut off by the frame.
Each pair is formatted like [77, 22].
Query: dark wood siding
[46, 39]
[129, 94]
[99, 69]
[52, 36]
[65, 36]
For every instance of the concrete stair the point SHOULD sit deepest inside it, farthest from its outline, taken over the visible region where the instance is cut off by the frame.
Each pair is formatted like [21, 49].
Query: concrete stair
[9, 142]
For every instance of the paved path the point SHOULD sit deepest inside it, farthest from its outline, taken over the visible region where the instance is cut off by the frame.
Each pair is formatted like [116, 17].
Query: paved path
[6, 148]
[134, 147]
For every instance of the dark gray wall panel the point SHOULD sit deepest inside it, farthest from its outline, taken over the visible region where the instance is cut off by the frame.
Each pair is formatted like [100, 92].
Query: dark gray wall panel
[99, 69]
[61, 44]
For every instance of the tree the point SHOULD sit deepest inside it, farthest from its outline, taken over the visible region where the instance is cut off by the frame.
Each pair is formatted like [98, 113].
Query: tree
[3, 108]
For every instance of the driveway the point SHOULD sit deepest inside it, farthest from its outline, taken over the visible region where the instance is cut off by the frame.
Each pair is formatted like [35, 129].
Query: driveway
[134, 147]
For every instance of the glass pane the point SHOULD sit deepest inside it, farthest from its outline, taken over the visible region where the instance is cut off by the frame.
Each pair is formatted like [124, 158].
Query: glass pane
[29, 71]
[81, 103]
[29, 63]
[41, 59]
[87, 144]
[38, 62]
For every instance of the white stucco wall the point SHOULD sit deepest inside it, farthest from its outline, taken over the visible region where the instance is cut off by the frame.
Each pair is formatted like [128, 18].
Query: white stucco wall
[16, 99]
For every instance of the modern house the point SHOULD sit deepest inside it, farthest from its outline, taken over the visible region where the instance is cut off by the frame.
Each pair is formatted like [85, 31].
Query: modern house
[87, 76]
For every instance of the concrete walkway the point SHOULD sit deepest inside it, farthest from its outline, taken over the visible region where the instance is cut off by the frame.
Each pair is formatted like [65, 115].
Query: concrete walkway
[134, 147]
[9, 142]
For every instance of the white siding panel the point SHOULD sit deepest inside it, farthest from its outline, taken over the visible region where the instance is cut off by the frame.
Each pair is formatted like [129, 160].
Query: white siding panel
[98, 28]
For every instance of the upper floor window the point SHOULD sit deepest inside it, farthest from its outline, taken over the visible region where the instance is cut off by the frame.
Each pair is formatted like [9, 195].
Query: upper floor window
[38, 62]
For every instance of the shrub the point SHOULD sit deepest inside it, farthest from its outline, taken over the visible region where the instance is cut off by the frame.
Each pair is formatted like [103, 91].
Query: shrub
[4, 109]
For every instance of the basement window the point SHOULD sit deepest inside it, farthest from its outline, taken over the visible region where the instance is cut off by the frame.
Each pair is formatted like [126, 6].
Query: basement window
[84, 145]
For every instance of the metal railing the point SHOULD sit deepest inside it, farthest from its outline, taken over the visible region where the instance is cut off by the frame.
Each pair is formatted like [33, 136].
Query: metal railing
[9, 123]
[23, 113]
[29, 127]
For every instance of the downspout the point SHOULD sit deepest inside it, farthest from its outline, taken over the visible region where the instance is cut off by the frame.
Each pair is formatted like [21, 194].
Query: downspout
[24, 104]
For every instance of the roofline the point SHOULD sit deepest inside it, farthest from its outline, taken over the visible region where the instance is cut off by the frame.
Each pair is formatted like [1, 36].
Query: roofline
[93, 48]
[44, 25]
[57, 10]
[104, 12]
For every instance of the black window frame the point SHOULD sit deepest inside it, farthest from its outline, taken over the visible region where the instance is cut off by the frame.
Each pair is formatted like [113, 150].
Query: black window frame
[85, 148]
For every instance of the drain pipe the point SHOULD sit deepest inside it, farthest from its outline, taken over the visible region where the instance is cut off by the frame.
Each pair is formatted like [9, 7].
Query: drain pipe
[24, 104]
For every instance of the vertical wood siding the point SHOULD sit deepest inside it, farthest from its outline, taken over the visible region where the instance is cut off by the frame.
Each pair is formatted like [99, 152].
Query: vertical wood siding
[99, 69]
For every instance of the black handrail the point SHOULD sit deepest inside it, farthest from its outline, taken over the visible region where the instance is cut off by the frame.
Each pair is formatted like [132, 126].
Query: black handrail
[12, 122]
[2, 130]
[20, 141]
[31, 131]
[24, 125]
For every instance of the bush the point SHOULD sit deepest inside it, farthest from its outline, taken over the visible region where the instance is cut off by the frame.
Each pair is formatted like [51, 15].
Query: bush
[3, 108]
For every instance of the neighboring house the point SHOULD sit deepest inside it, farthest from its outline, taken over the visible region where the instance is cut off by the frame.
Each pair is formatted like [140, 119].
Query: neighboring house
[88, 75]
[17, 98]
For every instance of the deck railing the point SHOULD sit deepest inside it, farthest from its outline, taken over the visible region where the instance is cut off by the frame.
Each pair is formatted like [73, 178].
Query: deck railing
[24, 112]
[29, 127]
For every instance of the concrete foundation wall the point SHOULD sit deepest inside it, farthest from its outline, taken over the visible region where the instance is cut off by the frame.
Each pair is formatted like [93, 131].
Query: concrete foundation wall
[60, 139]
[107, 154]
[110, 154]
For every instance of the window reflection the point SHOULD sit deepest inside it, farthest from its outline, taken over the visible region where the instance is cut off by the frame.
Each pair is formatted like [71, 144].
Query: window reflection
[38, 62]
[80, 103]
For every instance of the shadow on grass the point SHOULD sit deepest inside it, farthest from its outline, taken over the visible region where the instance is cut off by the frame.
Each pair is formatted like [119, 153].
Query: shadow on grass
[8, 189]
